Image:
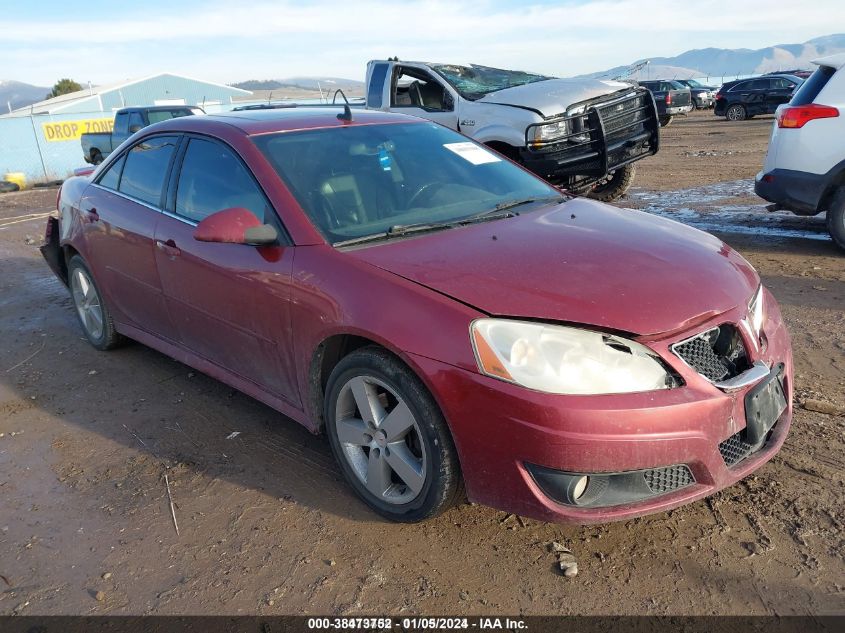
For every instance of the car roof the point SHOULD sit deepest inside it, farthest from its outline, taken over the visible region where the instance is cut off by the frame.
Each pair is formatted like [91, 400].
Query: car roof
[253, 122]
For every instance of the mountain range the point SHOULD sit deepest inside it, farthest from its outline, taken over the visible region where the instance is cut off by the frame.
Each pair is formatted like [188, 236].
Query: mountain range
[703, 62]
[304, 83]
[719, 62]
[18, 94]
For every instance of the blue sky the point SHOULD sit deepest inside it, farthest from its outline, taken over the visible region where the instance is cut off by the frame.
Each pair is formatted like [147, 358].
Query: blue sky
[103, 42]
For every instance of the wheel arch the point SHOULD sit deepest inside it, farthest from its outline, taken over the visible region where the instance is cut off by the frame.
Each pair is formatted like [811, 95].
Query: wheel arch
[835, 180]
[334, 348]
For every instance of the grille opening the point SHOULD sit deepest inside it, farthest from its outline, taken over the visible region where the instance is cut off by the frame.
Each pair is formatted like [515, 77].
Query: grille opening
[662, 480]
[716, 354]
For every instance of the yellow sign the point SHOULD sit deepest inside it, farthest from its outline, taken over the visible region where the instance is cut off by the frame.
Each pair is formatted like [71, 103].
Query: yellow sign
[72, 130]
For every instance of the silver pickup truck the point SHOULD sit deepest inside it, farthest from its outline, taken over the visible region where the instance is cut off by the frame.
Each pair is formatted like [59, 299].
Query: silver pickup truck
[127, 121]
[581, 134]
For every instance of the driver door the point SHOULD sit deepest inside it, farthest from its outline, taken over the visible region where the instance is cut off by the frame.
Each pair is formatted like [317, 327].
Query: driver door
[229, 302]
[419, 93]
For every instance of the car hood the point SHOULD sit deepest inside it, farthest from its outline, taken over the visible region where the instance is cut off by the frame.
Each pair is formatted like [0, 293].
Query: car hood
[552, 96]
[578, 262]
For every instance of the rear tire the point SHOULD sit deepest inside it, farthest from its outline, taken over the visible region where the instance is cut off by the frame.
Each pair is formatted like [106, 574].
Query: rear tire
[390, 438]
[836, 218]
[736, 112]
[96, 157]
[665, 121]
[92, 311]
[615, 186]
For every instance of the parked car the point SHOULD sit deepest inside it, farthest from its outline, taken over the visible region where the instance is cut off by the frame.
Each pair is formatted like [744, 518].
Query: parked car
[804, 170]
[702, 96]
[742, 99]
[671, 98]
[802, 74]
[441, 314]
[97, 145]
[581, 134]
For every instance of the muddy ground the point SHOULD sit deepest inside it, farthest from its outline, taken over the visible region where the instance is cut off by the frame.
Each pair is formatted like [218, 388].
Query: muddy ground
[267, 526]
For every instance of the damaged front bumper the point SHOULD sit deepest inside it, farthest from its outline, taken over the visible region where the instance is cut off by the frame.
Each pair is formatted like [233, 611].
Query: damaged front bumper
[51, 249]
[591, 459]
[606, 135]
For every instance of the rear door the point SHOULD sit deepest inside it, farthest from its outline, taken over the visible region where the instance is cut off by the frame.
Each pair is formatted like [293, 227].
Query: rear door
[229, 302]
[119, 213]
[754, 96]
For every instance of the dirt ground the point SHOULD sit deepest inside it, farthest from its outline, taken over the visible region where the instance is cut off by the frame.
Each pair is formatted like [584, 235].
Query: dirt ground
[266, 525]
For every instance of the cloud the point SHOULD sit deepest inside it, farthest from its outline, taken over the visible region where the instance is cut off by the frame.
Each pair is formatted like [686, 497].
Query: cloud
[336, 37]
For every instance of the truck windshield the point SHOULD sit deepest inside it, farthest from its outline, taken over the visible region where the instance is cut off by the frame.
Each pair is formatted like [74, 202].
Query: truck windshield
[473, 82]
[381, 180]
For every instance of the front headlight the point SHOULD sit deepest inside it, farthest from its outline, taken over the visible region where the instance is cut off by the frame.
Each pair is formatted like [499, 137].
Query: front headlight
[549, 132]
[757, 312]
[565, 360]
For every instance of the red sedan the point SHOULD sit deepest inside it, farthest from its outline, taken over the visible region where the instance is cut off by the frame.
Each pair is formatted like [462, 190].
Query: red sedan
[441, 314]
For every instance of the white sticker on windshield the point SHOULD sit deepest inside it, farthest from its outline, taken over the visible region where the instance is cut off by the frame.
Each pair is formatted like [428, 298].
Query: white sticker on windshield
[473, 153]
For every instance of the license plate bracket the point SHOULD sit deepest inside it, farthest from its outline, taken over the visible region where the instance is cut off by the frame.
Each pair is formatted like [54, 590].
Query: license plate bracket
[764, 404]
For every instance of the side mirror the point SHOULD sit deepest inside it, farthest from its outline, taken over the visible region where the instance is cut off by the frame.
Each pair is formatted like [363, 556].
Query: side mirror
[134, 128]
[235, 226]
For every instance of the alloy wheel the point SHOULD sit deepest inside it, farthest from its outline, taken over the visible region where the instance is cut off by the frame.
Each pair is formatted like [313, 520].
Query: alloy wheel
[736, 113]
[381, 440]
[87, 302]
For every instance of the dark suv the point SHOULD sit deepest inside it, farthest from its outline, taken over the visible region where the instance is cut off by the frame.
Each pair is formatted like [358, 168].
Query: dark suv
[745, 98]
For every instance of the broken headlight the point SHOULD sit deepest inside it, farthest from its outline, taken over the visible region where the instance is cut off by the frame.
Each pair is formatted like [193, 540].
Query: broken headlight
[757, 312]
[565, 360]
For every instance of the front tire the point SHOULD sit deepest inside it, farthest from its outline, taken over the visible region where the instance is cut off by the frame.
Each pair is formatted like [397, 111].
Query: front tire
[736, 112]
[836, 218]
[92, 311]
[615, 186]
[390, 438]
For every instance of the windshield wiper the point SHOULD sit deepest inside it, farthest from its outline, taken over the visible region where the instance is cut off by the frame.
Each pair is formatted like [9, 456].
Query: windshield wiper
[510, 204]
[405, 229]
[397, 230]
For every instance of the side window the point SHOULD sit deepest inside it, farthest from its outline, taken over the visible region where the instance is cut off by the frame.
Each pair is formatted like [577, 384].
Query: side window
[145, 170]
[212, 179]
[414, 88]
[759, 84]
[376, 88]
[135, 122]
[779, 83]
[111, 177]
[745, 85]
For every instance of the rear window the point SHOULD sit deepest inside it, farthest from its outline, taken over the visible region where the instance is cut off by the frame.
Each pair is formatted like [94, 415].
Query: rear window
[811, 88]
[163, 115]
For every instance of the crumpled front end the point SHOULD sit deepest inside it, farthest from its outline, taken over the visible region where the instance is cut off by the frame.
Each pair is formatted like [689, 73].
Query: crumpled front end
[589, 459]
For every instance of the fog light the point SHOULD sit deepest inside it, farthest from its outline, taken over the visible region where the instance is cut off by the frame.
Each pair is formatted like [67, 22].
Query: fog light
[580, 487]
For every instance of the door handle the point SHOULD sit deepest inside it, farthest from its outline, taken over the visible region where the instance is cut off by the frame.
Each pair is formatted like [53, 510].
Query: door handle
[169, 248]
[92, 214]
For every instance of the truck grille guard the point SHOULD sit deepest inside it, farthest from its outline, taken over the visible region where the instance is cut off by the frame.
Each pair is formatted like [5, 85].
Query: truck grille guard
[610, 133]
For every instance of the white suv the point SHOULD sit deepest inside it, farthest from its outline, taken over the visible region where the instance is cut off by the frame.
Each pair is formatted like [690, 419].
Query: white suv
[804, 170]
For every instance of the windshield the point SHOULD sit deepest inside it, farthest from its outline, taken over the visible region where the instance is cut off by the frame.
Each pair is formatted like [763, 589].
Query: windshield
[367, 180]
[692, 83]
[473, 82]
